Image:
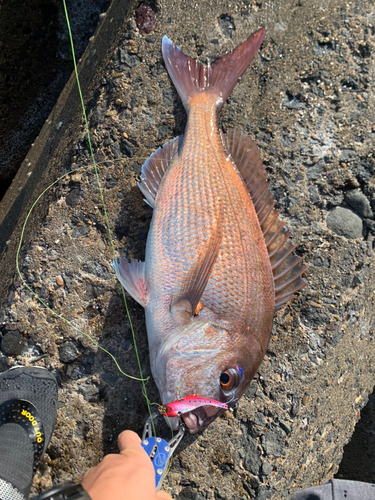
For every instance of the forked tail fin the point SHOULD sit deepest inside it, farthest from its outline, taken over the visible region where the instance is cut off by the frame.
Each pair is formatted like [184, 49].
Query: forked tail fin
[190, 76]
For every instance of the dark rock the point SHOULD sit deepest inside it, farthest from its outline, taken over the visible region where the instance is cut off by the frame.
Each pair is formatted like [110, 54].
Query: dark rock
[107, 142]
[97, 269]
[109, 378]
[127, 148]
[313, 173]
[115, 150]
[314, 194]
[264, 492]
[80, 231]
[226, 25]
[350, 83]
[168, 97]
[274, 442]
[189, 493]
[73, 197]
[251, 390]
[251, 456]
[90, 392]
[266, 468]
[361, 276]
[291, 102]
[13, 343]
[130, 60]
[344, 222]
[323, 48]
[359, 203]
[68, 352]
[164, 131]
[285, 427]
[4, 363]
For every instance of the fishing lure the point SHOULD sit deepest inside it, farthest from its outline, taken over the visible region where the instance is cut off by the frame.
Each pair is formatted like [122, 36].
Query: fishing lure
[189, 403]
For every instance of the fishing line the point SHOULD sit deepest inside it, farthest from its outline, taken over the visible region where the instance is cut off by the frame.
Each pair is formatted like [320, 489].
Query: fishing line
[94, 164]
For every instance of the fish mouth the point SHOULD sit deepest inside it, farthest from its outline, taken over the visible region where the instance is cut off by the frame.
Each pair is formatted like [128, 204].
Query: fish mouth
[192, 422]
[201, 417]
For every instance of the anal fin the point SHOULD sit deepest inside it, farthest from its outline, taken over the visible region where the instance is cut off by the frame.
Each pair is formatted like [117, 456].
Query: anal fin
[132, 277]
[155, 167]
[286, 266]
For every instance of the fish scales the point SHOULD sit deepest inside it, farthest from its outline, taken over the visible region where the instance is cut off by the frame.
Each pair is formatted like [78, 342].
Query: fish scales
[207, 283]
[200, 187]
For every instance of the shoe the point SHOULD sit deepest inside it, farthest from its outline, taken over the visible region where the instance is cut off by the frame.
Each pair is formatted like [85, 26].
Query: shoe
[28, 407]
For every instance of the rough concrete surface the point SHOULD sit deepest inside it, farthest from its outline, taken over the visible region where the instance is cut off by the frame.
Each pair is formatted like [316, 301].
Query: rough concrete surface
[308, 102]
[35, 64]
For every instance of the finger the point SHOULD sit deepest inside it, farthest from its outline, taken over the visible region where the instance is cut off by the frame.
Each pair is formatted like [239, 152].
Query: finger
[163, 495]
[128, 439]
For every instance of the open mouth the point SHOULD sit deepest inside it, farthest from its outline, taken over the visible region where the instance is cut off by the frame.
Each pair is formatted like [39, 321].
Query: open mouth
[192, 422]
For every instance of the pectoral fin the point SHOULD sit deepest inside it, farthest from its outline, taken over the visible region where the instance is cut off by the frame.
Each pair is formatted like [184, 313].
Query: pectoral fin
[132, 277]
[186, 299]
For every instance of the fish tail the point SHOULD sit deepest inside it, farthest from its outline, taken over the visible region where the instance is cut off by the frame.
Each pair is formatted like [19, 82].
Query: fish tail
[190, 76]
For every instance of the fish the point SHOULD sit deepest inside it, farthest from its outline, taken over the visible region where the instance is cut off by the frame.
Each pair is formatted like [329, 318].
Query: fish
[218, 259]
[187, 404]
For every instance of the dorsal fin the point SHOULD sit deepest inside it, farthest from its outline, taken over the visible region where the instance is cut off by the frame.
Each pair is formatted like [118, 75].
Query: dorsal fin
[285, 265]
[155, 167]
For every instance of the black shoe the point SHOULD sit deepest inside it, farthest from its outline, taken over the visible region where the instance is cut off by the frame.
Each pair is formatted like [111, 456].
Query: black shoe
[28, 407]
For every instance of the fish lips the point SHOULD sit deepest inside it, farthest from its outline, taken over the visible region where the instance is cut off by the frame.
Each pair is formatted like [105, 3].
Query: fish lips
[197, 419]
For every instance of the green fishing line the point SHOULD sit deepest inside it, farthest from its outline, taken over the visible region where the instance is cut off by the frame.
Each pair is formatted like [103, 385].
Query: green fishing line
[94, 164]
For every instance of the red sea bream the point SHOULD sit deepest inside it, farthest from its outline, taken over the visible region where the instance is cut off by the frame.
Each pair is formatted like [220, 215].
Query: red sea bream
[218, 261]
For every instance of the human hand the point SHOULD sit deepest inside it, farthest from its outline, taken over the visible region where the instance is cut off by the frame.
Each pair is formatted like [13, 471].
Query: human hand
[126, 476]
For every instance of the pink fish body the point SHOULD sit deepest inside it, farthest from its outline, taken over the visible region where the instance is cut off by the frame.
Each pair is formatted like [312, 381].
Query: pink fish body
[218, 260]
[188, 404]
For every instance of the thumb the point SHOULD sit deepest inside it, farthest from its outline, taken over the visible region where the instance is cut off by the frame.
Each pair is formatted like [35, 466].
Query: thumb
[163, 495]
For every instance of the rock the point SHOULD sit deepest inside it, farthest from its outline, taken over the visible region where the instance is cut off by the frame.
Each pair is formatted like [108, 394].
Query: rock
[73, 197]
[68, 352]
[344, 222]
[130, 60]
[4, 363]
[13, 343]
[274, 442]
[109, 378]
[145, 17]
[266, 468]
[226, 25]
[285, 427]
[359, 203]
[59, 280]
[189, 493]
[90, 392]
[251, 456]
[313, 173]
[314, 194]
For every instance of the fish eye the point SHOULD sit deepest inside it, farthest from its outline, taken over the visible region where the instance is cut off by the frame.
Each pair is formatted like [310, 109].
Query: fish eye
[230, 379]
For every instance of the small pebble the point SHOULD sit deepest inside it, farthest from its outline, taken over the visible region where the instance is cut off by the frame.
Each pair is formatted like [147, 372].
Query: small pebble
[76, 177]
[59, 280]
[101, 246]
